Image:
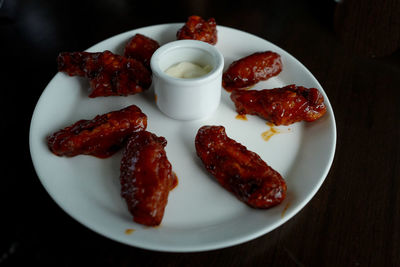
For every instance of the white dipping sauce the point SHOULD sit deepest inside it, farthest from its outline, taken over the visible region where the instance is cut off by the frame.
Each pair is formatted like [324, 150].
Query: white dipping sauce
[187, 70]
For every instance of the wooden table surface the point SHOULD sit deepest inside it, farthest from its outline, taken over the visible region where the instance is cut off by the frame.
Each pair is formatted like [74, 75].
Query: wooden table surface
[353, 220]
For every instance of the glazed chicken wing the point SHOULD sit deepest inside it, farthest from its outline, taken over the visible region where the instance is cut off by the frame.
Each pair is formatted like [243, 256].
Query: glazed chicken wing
[146, 177]
[141, 48]
[251, 69]
[239, 170]
[108, 74]
[196, 28]
[281, 106]
[100, 137]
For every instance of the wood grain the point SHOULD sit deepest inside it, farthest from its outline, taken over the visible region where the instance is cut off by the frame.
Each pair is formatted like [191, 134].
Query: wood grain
[369, 27]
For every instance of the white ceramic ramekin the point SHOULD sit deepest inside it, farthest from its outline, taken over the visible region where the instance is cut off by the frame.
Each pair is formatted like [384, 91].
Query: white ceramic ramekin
[187, 99]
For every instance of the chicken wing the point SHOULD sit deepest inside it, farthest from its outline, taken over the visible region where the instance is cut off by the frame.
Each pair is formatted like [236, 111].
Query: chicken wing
[146, 177]
[100, 137]
[196, 28]
[281, 106]
[239, 170]
[251, 69]
[141, 48]
[108, 74]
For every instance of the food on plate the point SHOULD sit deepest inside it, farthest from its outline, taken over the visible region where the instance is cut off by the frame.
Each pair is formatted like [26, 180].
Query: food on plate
[187, 70]
[146, 177]
[196, 28]
[281, 106]
[109, 74]
[141, 48]
[239, 170]
[249, 70]
[78, 63]
[100, 137]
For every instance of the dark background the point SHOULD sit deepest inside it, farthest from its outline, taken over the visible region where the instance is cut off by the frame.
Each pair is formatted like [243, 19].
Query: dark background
[351, 48]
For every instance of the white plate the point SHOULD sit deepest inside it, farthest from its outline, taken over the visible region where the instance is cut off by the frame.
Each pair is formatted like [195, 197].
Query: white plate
[200, 214]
